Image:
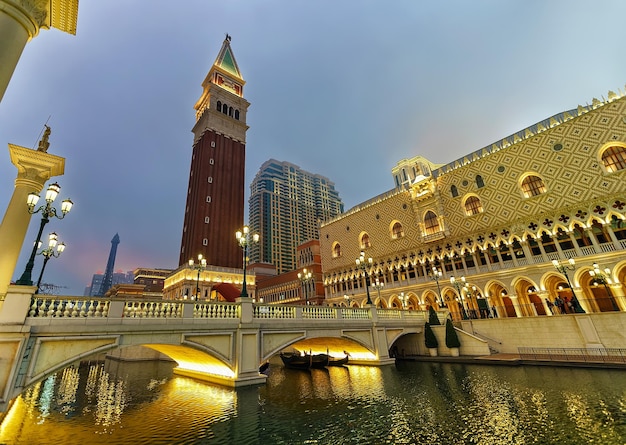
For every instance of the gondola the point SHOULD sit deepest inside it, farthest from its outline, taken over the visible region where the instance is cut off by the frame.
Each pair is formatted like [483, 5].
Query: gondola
[295, 361]
[319, 360]
[332, 361]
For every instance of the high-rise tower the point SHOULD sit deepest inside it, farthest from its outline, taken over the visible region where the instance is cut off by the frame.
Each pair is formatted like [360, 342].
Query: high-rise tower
[287, 205]
[215, 196]
[107, 280]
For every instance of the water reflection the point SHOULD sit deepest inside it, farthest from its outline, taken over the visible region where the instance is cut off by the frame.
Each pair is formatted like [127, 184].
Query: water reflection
[411, 403]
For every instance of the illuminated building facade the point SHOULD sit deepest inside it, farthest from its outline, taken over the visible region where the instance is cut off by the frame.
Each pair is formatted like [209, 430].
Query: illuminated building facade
[215, 196]
[287, 204]
[301, 286]
[492, 234]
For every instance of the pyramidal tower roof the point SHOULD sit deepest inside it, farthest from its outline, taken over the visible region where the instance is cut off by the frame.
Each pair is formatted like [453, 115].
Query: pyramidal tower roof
[224, 75]
[226, 60]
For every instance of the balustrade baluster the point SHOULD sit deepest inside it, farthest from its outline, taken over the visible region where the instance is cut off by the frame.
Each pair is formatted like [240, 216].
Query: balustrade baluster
[33, 307]
[50, 311]
[92, 309]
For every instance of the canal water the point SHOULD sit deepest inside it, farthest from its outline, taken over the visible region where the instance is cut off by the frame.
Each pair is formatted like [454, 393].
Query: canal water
[409, 403]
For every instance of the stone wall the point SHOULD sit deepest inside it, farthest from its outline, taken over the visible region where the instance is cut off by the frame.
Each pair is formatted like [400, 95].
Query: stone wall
[506, 335]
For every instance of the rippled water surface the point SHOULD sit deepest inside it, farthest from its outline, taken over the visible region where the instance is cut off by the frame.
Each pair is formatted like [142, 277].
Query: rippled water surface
[411, 403]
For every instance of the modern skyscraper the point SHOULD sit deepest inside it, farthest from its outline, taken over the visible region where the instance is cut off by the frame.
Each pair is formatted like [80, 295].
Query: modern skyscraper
[215, 196]
[287, 205]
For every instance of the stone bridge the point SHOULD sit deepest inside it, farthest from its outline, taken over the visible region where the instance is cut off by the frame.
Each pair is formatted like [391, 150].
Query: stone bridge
[218, 342]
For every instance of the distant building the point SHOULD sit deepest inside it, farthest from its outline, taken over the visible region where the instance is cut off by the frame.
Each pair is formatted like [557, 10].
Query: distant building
[288, 287]
[152, 279]
[215, 195]
[118, 277]
[287, 205]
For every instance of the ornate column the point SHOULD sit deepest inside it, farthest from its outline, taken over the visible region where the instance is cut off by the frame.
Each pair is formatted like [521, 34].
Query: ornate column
[34, 168]
[516, 306]
[545, 295]
[614, 239]
[21, 20]
[594, 240]
[618, 294]
[575, 243]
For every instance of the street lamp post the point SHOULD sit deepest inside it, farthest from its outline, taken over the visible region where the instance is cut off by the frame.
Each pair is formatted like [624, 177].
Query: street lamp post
[362, 263]
[436, 275]
[48, 253]
[244, 237]
[199, 266]
[479, 312]
[305, 278]
[460, 285]
[378, 285]
[47, 212]
[563, 268]
[603, 278]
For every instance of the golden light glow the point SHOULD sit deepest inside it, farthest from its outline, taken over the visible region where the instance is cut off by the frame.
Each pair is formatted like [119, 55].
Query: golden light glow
[195, 361]
[335, 347]
[207, 368]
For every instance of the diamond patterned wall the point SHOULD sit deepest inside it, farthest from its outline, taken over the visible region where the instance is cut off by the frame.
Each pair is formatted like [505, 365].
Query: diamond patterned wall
[566, 157]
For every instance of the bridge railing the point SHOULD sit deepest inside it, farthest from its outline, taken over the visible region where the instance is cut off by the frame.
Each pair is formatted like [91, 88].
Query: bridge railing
[90, 307]
[396, 314]
[592, 355]
[52, 306]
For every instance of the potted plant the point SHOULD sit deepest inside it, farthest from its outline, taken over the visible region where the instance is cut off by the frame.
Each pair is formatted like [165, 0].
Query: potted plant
[432, 317]
[430, 340]
[452, 339]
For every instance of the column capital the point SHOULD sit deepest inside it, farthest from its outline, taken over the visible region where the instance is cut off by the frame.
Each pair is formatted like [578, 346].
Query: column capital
[35, 165]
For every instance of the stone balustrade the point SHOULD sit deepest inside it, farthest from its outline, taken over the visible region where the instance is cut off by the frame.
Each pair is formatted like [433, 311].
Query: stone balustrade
[46, 306]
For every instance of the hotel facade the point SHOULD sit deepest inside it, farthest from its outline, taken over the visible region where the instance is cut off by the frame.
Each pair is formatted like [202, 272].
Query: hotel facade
[532, 225]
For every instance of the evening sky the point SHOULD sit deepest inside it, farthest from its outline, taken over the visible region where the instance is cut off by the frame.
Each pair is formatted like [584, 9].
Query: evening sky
[344, 89]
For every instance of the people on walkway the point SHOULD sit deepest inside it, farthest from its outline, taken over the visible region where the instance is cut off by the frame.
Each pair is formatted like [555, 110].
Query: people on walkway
[550, 306]
[560, 304]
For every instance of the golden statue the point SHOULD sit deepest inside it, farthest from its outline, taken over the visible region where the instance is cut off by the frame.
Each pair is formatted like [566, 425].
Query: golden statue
[43, 143]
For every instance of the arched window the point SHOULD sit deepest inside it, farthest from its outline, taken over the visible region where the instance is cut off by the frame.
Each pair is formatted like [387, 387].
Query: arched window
[336, 250]
[479, 181]
[431, 224]
[454, 191]
[230, 111]
[397, 231]
[473, 206]
[219, 106]
[225, 109]
[532, 186]
[365, 241]
[547, 242]
[237, 114]
[614, 158]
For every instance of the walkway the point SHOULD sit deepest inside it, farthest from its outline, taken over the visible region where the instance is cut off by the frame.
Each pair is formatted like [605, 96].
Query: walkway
[517, 360]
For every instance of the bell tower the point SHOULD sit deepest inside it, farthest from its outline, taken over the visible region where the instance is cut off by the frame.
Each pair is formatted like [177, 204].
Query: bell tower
[215, 196]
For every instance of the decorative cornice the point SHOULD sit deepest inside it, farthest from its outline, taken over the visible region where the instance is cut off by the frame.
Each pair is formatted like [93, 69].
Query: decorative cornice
[26, 160]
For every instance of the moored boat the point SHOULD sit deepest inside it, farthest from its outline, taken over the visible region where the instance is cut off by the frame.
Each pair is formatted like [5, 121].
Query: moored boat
[295, 361]
[319, 360]
[334, 361]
